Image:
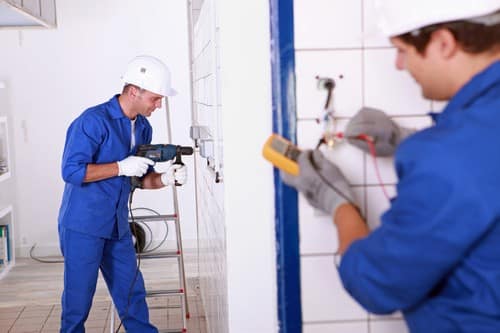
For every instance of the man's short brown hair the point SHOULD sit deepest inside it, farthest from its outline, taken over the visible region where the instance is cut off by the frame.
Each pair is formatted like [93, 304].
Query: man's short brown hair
[472, 37]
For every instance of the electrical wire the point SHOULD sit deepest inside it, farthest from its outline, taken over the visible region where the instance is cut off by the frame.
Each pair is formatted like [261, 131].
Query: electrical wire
[326, 181]
[132, 217]
[137, 267]
[146, 247]
[44, 261]
[373, 153]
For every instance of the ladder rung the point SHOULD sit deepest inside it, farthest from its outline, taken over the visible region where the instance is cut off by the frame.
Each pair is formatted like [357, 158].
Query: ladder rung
[168, 254]
[178, 292]
[170, 330]
[153, 218]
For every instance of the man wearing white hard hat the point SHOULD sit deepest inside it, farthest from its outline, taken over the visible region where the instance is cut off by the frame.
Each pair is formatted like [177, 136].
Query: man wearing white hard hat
[436, 255]
[97, 162]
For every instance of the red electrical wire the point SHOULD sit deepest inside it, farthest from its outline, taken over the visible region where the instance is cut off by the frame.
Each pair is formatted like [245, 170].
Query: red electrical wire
[371, 145]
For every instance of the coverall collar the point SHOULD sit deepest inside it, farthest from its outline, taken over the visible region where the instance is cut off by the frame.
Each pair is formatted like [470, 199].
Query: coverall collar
[115, 110]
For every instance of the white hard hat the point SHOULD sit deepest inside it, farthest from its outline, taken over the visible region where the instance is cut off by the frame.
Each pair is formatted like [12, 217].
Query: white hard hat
[149, 73]
[397, 17]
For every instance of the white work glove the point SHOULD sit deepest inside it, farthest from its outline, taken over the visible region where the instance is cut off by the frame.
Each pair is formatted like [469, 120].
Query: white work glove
[375, 123]
[161, 167]
[134, 166]
[174, 174]
[321, 182]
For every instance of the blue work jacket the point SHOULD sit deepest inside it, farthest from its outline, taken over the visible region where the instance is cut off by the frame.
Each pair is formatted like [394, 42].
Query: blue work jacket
[436, 255]
[101, 134]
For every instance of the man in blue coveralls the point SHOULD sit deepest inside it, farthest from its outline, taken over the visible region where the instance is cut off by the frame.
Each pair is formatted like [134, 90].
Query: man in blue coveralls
[436, 255]
[97, 162]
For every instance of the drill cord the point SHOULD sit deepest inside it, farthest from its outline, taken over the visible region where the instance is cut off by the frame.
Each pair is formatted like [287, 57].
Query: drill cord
[138, 263]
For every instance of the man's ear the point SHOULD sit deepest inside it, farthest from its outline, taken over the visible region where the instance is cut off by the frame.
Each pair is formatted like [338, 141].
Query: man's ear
[444, 43]
[133, 91]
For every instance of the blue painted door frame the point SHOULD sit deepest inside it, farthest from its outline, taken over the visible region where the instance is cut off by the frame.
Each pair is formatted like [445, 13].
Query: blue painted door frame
[286, 208]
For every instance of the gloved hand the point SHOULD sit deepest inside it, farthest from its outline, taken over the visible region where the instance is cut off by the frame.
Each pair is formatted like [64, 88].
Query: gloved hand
[375, 123]
[321, 182]
[173, 173]
[161, 167]
[134, 166]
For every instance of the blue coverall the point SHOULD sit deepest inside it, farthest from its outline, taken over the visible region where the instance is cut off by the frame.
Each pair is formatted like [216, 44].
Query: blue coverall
[436, 255]
[93, 219]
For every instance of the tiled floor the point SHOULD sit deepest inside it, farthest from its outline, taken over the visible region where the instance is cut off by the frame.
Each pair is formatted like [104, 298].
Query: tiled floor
[31, 291]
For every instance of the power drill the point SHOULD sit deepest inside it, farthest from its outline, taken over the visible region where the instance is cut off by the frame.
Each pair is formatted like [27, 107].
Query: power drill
[160, 153]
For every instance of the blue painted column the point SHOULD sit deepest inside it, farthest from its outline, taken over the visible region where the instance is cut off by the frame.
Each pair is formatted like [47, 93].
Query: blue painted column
[284, 123]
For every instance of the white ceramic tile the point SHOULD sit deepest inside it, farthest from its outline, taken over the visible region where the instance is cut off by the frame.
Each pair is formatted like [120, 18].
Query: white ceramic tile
[327, 23]
[210, 97]
[348, 158]
[317, 230]
[323, 296]
[416, 123]
[385, 167]
[386, 164]
[377, 204]
[389, 89]
[353, 327]
[344, 66]
[388, 326]
[372, 36]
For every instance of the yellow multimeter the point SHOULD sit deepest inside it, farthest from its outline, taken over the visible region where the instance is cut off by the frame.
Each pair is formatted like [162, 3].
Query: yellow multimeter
[282, 154]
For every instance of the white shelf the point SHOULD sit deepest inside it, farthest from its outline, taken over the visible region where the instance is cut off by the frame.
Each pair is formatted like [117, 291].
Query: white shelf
[7, 218]
[4, 150]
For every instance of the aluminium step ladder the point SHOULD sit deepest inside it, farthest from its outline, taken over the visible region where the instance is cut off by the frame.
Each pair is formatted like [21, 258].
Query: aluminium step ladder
[177, 254]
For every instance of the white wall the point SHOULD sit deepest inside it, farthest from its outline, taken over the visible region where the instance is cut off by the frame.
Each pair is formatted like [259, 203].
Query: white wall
[210, 194]
[236, 217]
[249, 189]
[54, 75]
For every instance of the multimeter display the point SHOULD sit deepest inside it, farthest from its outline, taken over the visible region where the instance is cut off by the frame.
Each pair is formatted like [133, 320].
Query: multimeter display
[282, 154]
[285, 148]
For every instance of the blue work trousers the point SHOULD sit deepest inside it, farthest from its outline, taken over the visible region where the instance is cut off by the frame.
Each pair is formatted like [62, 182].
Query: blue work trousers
[84, 255]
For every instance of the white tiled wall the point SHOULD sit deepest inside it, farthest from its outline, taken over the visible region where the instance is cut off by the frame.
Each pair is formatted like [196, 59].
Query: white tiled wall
[338, 39]
[210, 208]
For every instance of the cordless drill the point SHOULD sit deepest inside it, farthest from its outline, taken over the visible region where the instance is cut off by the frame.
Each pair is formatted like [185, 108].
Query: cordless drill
[160, 153]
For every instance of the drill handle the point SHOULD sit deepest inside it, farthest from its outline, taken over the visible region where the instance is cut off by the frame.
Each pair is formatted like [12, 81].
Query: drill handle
[181, 150]
[178, 159]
